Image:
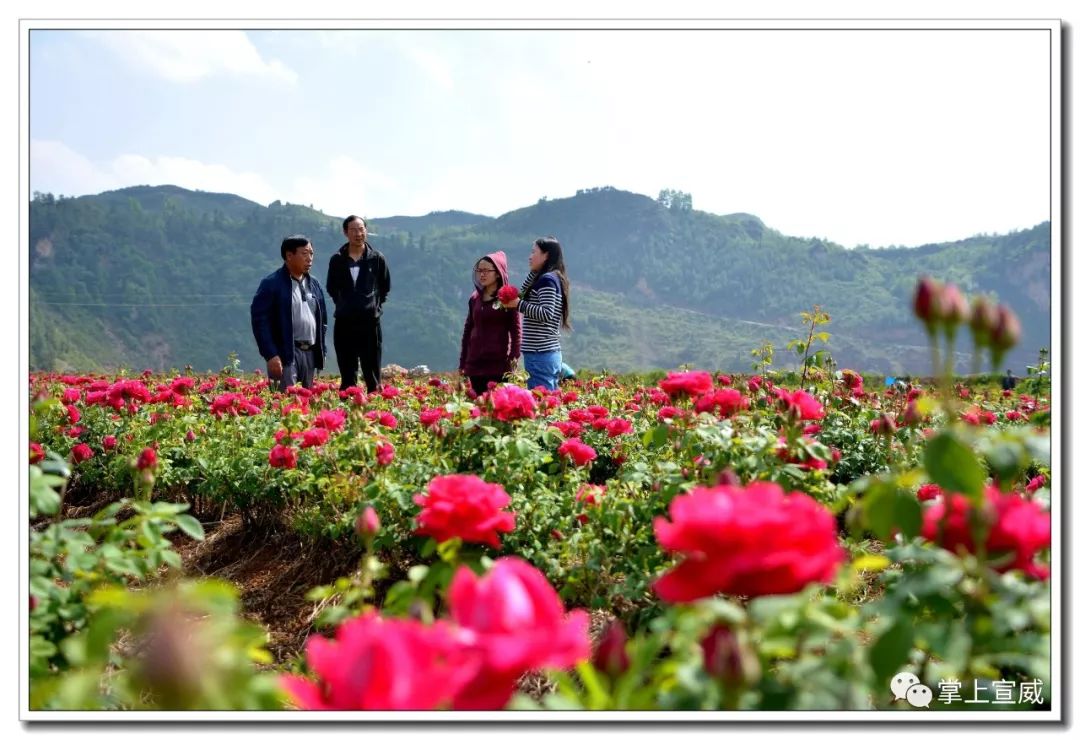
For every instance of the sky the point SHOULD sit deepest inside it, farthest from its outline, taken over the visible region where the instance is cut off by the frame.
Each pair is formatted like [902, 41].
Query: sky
[866, 137]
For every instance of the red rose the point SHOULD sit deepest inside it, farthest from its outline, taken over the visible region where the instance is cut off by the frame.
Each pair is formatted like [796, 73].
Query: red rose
[928, 492]
[618, 426]
[37, 453]
[147, 459]
[694, 383]
[431, 417]
[579, 452]
[1035, 483]
[71, 395]
[746, 542]
[315, 437]
[589, 494]
[383, 664]
[331, 420]
[507, 293]
[282, 457]
[800, 404]
[725, 402]
[1018, 526]
[568, 428]
[515, 622]
[464, 506]
[81, 452]
[384, 454]
[610, 654]
[852, 380]
[388, 420]
[510, 402]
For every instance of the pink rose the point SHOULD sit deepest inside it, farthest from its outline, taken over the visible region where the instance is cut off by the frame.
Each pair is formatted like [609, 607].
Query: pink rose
[510, 402]
[1017, 526]
[578, 452]
[383, 664]
[515, 622]
[464, 506]
[748, 541]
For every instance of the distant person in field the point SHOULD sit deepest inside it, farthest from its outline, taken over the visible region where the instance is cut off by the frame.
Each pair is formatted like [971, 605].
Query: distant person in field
[545, 307]
[1008, 381]
[491, 341]
[358, 281]
[288, 317]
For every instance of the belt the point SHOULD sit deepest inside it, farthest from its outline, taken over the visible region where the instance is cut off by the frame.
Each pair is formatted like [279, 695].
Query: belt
[304, 345]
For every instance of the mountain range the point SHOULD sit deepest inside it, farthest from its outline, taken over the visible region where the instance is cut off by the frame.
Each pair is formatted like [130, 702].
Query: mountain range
[162, 277]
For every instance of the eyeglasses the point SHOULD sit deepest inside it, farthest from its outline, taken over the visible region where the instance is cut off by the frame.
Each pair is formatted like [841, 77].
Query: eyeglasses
[482, 271]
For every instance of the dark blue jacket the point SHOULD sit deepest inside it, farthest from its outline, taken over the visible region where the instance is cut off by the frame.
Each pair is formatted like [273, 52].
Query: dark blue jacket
[271, 317]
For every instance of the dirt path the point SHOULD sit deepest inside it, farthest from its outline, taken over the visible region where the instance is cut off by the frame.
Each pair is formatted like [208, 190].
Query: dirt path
[272, 571]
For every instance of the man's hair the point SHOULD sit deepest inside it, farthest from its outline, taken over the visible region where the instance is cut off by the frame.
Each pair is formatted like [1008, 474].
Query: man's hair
[291, 243]
[349, 220]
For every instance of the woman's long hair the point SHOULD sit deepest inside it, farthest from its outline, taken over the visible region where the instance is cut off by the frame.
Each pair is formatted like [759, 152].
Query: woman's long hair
[550, 246]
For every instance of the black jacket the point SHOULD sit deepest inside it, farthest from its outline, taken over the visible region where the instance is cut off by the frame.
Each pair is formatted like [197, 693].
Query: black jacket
[366, 297]
[271, 317]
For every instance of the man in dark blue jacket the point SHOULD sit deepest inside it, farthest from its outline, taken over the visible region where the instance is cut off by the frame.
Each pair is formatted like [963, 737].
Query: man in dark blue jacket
[358, 281]
[288, 317]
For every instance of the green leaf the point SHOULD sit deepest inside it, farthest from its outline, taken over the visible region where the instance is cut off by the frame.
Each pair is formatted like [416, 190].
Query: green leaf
[656, 437]
[891, 649]
[908, 514]
[953, 465]
[191, 526]
[879, 510]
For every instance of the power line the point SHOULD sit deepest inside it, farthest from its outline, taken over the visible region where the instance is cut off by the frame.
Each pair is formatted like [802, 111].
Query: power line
[141, 305]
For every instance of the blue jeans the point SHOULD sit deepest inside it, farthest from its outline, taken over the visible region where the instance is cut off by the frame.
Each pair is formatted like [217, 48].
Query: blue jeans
[543, 369]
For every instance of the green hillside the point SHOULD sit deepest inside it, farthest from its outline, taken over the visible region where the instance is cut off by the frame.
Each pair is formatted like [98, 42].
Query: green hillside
[161, 277]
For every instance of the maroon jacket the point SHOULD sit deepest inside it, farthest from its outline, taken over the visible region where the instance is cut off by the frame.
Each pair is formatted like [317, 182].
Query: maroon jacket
[492, 337]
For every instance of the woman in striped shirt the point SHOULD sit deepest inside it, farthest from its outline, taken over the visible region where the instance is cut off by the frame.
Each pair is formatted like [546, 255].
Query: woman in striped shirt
[545, 309]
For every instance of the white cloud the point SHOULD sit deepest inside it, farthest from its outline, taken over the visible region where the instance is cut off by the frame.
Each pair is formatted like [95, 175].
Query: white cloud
[344, 186]
[188, 56]
[58, 169]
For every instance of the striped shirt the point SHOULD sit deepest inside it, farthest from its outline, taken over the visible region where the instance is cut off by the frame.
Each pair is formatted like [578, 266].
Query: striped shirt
[541, 314]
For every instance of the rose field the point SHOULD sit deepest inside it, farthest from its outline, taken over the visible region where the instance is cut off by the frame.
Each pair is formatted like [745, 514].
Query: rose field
[685, 540]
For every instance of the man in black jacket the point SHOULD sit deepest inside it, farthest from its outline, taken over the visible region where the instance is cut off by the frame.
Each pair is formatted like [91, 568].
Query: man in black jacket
[358, 281]
[288, 317]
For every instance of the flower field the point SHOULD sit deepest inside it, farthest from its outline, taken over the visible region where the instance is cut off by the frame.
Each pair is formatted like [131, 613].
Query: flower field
[681, 541]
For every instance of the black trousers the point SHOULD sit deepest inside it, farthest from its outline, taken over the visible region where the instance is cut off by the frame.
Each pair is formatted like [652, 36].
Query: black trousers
[358, 344]
[480, 382]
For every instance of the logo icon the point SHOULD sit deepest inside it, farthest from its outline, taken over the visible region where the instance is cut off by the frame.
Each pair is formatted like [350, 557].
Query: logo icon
[905, 686]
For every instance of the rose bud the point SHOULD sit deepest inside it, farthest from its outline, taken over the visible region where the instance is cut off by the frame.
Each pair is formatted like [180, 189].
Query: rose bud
[726, 660]
[911, 414]
[983, 319]
[925, 302]
[172, 659]
[610, 653]
[727, 477]
[954, 307]
[1006, 331]
[884, 424]
[147, 459]
[367, 524]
